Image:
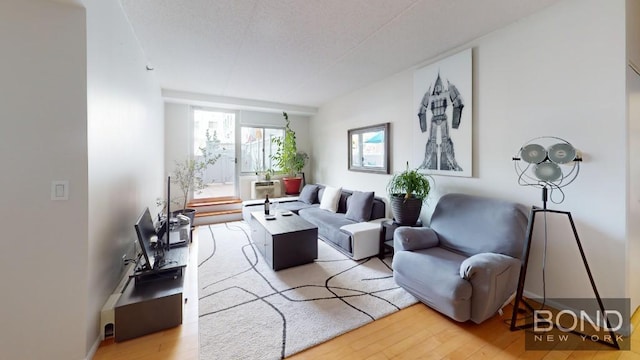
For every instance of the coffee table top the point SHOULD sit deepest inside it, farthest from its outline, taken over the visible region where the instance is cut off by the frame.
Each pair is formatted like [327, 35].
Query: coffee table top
[283, 224]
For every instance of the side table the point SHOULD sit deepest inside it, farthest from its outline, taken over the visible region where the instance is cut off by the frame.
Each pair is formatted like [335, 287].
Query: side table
[386, 236]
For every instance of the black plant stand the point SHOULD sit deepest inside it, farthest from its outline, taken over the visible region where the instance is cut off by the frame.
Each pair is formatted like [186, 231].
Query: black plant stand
[525, 262]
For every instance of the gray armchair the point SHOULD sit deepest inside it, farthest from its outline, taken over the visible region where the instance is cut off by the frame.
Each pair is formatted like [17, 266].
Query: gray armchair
[467, 262]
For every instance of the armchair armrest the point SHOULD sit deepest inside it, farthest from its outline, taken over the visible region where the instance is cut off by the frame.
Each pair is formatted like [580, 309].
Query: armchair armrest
[414, 238]
[493, 277]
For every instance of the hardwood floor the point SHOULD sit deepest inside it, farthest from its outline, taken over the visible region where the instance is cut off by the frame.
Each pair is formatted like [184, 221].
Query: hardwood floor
[413, 333]
[421, 333]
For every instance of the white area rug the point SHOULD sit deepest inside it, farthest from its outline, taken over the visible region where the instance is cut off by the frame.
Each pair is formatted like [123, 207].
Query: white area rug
[248, 311]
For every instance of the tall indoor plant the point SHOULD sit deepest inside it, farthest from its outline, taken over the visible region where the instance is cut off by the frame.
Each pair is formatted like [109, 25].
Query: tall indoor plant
[288, 158]
[188, 174]
[407, 191]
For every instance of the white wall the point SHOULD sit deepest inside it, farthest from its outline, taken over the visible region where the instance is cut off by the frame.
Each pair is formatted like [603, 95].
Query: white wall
[77, 105]
[633, 104]
[43, 138]
[554, 73]
[125, 146]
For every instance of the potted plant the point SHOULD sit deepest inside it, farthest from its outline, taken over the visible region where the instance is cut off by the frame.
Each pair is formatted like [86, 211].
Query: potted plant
[289, 159]
[264, 174]
[188, 175]
[267, 174]
[407, 191]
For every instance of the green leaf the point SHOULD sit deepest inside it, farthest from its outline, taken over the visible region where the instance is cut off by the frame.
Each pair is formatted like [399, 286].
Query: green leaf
[287, 157]
[409, 183]
[188, 173]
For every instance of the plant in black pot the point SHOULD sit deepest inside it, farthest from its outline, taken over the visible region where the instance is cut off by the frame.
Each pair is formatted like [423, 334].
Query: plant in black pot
[407, 191]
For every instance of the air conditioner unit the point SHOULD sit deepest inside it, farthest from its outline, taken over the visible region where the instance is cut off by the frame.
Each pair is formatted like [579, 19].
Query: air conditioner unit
[259, 189]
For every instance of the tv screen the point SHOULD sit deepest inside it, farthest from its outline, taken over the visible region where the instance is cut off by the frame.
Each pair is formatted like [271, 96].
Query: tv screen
[146, 238]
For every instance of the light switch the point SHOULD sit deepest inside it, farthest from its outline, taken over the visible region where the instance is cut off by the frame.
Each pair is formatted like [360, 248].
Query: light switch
[60, 190]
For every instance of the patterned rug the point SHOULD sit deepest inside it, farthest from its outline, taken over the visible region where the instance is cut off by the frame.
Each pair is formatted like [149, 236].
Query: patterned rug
[248, 311]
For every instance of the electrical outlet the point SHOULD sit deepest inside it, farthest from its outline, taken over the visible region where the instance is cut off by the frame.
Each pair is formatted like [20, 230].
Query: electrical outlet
[124, 260]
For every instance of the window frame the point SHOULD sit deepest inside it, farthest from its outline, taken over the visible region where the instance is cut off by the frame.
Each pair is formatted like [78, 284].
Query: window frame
[384, 169]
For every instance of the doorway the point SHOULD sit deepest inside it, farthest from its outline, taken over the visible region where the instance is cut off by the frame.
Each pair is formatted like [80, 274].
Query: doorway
[215, 130]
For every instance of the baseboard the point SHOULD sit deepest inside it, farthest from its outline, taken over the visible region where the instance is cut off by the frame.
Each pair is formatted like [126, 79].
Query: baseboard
[94, 349]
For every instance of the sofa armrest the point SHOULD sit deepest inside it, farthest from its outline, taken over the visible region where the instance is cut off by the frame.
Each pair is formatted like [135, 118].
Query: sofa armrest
[493, 277]
[414, 238]
[365, 239]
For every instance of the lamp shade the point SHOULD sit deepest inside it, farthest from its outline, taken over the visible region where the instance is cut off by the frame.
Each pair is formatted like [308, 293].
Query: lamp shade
[561, 153]
[533, 153]
[549, 163]
[548, 171]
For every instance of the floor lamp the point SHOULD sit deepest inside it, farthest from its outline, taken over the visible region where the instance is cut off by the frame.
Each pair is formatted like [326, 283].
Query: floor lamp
[542, 167]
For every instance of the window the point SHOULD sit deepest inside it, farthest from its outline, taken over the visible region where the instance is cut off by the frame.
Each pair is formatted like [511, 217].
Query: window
[257, 148]
[369, 149]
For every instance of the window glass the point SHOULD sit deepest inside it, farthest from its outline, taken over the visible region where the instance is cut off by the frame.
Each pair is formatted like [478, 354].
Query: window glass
[257, 148]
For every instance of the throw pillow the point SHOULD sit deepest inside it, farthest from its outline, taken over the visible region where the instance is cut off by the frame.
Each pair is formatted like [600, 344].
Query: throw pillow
[330, 198]
[309, 194]
[359, 206]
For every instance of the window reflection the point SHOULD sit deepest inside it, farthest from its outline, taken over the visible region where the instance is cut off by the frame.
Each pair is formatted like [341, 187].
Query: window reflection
[369, 149]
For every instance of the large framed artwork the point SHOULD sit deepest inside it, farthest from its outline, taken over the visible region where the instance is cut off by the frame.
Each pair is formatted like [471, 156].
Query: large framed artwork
[442, 125]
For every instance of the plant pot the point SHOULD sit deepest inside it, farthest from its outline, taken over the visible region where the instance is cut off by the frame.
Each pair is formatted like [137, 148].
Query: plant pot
[190, 213]
[406, 211]
[292, 185]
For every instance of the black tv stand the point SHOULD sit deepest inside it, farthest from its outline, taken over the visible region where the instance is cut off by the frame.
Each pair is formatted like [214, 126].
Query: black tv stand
[154, 301]
[151, 304]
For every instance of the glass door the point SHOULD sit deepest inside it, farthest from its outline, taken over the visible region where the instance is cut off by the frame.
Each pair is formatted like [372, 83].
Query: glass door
[215, 130]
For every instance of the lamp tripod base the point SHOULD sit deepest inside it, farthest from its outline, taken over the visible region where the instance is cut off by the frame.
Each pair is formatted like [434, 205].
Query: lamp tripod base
[523, 273]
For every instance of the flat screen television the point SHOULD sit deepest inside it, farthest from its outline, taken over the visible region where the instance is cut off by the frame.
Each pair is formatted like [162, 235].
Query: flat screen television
[151, 246]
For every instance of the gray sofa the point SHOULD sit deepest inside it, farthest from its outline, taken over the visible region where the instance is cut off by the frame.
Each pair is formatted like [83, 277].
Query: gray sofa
[466, 264]
[334, 228]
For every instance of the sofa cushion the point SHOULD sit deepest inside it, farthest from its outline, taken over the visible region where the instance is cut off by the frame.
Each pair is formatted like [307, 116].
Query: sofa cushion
[330, 198]
[359, 206]
[379, 209]
[294, 206]
[342, 202]
[309, 194]
[329, 224]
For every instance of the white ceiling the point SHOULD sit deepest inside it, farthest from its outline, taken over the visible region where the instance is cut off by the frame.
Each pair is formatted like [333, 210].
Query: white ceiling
[304, 52]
